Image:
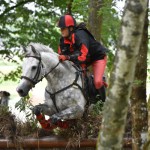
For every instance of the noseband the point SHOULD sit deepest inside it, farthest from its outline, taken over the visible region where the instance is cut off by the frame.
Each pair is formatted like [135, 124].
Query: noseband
[35, 80]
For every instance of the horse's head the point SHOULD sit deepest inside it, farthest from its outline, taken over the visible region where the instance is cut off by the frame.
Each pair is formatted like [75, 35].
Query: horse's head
[31, 71]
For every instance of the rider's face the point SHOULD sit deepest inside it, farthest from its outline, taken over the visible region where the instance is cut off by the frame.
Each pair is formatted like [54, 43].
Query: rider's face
[64, 32]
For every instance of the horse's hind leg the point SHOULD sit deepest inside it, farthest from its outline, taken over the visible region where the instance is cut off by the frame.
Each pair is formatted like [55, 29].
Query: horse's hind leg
[69, 113]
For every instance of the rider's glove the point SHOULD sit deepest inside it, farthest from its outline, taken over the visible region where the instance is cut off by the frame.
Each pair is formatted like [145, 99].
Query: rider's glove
[63, 57]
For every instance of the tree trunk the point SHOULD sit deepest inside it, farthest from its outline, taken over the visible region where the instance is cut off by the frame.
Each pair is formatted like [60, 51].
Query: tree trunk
[69, 7]
[95, 19]
[116, 105]
[138, 97]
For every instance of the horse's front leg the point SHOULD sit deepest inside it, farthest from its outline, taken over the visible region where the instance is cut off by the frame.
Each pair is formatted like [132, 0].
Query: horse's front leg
[39, 109]
[74, 112]
[43, 108]
[47, 108]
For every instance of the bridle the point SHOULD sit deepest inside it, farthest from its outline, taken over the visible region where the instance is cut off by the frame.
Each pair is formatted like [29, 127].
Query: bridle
[36, 79]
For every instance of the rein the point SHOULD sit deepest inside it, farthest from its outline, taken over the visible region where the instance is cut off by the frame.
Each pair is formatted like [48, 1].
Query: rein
[35, 79]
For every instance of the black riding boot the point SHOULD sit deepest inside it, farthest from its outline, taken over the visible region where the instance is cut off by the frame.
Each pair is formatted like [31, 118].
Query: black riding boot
[102, 93]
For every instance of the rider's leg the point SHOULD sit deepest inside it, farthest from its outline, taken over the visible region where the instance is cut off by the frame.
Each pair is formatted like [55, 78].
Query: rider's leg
[98, 71]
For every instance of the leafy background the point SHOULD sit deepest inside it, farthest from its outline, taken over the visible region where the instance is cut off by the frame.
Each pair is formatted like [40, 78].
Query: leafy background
[25, 21]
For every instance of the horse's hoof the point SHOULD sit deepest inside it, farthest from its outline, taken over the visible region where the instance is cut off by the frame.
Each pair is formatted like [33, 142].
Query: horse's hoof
[55, 119]
[37, 110]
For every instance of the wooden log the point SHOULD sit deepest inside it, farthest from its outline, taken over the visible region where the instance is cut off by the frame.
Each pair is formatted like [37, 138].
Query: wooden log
[52, 143]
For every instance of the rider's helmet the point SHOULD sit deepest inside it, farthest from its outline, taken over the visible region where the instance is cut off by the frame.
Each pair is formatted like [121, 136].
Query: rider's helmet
[66, 21]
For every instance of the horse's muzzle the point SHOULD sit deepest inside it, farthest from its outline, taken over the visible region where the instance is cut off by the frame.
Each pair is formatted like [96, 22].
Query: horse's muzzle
[21, 92]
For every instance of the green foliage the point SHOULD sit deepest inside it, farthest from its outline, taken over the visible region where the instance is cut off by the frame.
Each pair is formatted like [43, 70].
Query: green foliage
[13, 75]
[80, 9]
[111, 24]
[23, 104]
[21, 24]
[110, 59]
[97, 108]
[26, 21]
[138, 82]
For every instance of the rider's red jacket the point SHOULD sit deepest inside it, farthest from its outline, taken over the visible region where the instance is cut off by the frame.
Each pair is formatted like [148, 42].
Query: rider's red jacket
[82, 48]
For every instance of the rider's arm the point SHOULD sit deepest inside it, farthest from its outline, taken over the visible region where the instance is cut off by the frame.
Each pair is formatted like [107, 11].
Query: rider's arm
[81, 54]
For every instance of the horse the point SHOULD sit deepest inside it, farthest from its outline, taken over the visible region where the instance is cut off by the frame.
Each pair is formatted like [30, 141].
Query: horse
[64, 98]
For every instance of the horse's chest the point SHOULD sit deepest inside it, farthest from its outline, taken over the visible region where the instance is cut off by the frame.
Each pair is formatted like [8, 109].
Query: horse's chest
[64, 99]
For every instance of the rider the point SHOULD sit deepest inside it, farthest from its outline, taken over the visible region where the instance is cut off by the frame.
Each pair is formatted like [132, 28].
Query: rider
[78, 45]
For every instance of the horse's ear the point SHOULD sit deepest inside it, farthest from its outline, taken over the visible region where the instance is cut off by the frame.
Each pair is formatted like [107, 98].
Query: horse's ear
[24, 49]
[33, 49]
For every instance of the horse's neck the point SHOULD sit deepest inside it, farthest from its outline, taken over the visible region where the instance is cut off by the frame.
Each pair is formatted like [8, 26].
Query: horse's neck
[62, 76]
[59, 78]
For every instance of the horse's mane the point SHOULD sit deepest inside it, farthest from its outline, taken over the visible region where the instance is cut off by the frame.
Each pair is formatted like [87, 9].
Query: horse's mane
[41, 48]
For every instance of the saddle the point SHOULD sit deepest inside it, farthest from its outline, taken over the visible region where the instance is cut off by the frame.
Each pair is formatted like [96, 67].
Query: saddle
[88, 88]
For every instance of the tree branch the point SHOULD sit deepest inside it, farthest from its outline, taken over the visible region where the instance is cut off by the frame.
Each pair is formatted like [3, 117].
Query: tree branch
[17, 5]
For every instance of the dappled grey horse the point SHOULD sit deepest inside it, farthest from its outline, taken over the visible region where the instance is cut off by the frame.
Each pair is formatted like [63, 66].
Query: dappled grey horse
[63, 97]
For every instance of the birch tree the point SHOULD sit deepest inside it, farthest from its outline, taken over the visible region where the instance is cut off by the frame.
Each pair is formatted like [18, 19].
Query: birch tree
[138, 96]
[122, 76]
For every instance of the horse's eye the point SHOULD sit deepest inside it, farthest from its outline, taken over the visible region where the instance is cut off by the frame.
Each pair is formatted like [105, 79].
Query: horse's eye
[34, 67]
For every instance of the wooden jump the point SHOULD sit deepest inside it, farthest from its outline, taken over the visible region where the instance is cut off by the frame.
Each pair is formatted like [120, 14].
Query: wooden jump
[52, 143]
